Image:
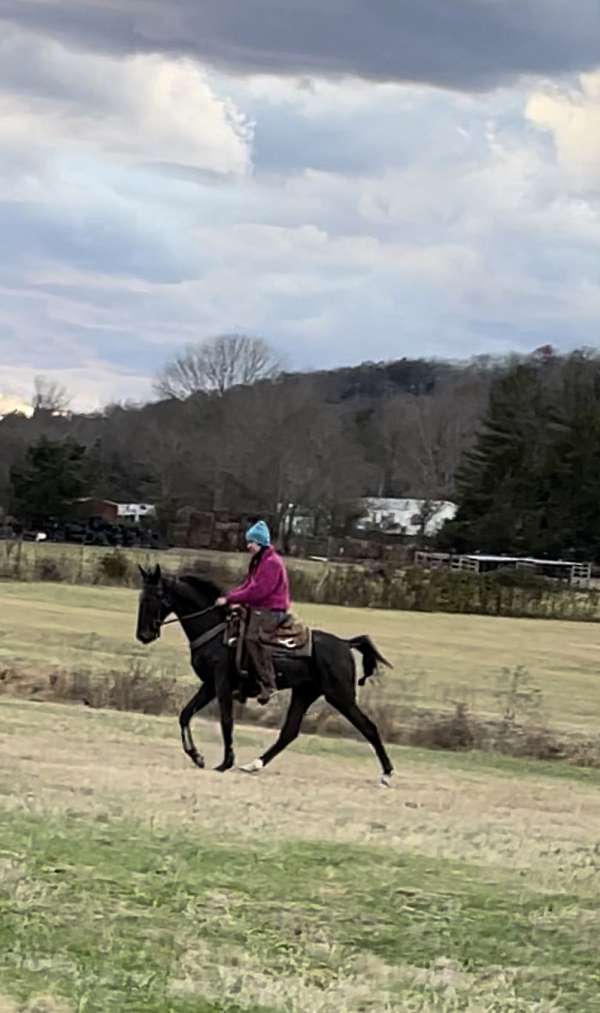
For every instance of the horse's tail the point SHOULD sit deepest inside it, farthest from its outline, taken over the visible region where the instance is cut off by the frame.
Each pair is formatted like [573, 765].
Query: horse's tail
[371, 657]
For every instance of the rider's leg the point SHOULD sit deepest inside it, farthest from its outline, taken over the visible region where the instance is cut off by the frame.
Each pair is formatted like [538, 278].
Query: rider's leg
[263, 664]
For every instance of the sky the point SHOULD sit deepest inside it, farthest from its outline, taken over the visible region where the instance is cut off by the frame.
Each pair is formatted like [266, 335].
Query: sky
[352, 180]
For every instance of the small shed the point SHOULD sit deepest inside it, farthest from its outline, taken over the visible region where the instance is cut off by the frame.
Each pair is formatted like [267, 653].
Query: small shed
[89, 506]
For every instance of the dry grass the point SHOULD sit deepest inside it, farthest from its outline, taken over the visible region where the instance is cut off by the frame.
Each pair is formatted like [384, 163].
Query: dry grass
[61, 757]
[83, 563]
[438, 658]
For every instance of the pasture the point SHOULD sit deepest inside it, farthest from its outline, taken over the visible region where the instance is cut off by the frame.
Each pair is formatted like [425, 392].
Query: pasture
[437, 658]
[129, 881]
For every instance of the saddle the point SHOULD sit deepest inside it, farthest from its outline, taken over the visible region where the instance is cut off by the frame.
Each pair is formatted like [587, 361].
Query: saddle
[290, 635]
[290, 638]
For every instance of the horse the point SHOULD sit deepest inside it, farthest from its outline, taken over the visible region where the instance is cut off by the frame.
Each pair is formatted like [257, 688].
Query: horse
[329, 671]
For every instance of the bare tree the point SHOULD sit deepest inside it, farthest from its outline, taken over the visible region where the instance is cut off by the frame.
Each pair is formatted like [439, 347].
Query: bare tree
[49, 396]
[443, 428]
[216, 365]
[415, 442]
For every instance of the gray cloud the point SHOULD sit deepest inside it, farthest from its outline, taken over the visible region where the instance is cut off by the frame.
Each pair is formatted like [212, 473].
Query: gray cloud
[463, 44]
[339, 219]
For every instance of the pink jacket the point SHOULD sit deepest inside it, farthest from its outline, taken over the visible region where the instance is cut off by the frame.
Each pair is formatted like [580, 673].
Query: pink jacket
[267, 587]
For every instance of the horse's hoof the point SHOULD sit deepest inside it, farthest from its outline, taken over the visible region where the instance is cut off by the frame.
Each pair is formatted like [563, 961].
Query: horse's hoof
[225, 766]
[385, 781]
[252, 768]
[198, 761]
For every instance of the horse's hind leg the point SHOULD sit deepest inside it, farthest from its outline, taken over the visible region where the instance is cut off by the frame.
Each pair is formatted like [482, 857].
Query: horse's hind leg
[352, 712]
[200, 699]
[302, 698]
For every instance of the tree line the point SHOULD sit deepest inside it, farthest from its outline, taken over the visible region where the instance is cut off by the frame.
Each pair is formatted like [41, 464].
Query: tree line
[515, 441]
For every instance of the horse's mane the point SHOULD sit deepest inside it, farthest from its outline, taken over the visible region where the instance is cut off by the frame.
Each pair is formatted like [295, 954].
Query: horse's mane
[201, 586]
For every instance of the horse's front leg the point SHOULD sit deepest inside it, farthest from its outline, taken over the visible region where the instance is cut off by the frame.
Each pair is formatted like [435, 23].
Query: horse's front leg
[225, 698]
[205, 694]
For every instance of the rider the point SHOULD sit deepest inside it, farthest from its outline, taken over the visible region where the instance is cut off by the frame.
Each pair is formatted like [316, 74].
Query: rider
[266, 592]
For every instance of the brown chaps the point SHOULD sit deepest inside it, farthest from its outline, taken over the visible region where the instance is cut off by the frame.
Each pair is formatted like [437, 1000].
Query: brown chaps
[261, 624]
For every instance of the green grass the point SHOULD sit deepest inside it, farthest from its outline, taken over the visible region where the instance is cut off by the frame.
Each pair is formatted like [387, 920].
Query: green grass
[113, 916]
[437, 658]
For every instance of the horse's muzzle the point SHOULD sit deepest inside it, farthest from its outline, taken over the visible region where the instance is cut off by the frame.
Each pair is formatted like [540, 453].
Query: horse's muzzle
[148, 636]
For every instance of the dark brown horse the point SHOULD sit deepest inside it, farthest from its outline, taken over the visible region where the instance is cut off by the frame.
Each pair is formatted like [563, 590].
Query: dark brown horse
[329, 672]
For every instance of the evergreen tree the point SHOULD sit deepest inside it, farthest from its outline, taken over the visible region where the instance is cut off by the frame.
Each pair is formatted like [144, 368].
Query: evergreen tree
[498, 484]
[52, 474]
[572, 468]
[531, 485]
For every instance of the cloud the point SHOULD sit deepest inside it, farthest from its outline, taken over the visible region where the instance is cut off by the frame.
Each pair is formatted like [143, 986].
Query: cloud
[147, 201]
[572, 118]
[466, 44]
[142, 108]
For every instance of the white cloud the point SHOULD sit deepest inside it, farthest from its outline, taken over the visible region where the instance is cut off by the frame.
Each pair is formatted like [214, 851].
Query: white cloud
[572, 117]
[144, 108]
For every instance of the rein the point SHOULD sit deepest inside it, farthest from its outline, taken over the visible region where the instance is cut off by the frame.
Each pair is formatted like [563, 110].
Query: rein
[204, 638]
[192, 615]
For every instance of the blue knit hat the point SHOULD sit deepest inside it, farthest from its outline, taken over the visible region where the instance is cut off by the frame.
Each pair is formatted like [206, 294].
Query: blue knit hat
[259, 533]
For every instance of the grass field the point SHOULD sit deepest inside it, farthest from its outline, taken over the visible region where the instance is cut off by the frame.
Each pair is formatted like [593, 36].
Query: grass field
[437, 657]
[130, 882]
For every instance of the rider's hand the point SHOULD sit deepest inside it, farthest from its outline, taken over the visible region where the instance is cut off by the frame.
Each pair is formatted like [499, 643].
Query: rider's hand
[221, 601]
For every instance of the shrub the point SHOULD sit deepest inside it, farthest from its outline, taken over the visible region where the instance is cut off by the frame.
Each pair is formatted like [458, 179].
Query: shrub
[115, 566]
[49, 569]
[451, 732]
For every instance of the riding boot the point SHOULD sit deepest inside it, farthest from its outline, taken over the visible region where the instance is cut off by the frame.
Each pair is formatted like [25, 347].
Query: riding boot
[265, 671]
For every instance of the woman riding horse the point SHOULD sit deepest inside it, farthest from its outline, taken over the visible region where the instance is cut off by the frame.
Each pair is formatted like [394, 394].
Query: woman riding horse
[328, 672]
[265, 591]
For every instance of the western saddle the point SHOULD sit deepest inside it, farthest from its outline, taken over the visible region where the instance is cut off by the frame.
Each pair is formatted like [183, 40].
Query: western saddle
[290, 638]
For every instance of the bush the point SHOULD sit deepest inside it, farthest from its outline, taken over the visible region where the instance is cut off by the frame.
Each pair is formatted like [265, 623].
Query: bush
[115, 567]
[451, 732]
[49, 569]
[140, 688]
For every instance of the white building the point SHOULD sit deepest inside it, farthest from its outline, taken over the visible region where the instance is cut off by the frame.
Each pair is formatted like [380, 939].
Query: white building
[406, 516]
[135, 511]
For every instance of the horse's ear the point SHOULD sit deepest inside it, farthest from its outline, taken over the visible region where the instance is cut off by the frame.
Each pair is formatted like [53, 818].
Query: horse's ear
[143, 572]
[157, 573]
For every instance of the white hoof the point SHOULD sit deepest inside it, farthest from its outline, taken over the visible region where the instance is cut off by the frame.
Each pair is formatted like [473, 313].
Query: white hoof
[385, 781]
[252, 768]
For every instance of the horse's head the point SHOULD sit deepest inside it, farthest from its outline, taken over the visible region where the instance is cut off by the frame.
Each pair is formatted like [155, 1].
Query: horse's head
[154, 605]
